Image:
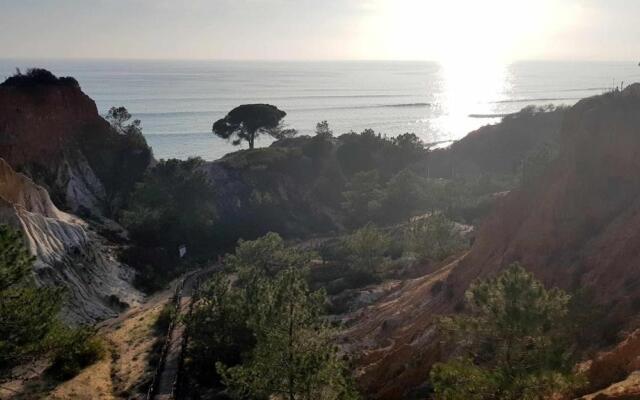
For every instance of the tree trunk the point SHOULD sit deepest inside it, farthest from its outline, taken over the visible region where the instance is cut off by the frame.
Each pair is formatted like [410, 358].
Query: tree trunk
[251, 140]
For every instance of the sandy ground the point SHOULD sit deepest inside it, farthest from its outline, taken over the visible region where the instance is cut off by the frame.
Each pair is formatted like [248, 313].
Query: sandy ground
[124, 372]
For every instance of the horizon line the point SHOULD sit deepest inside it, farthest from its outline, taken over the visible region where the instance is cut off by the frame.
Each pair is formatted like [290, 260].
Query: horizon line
[293, 60]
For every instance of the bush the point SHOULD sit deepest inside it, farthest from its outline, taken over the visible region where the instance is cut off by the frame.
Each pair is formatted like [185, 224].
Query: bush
[433, 238]
[513, 343]
[76, 349]
[36, 77]
[367, 247]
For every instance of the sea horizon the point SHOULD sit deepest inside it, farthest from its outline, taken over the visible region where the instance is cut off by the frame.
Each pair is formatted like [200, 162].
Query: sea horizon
[178, 100]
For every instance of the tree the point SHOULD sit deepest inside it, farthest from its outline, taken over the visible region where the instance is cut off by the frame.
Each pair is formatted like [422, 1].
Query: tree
[118, 118]
[366, 248]
[363, 198]
[514, 341]
[405, 194]
[265, 256]
[173, 205]
[248, 121]
[294, 357]
[323, 130]
[218, 330]
[28, 314]
[433, 238]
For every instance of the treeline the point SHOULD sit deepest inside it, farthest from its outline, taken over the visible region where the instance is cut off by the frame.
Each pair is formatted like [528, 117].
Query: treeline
[299, 187]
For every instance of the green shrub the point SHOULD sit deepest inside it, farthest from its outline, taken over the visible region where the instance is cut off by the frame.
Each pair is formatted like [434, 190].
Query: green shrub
[76, 349]
[367, 248]
[433, 238]
[513, 342]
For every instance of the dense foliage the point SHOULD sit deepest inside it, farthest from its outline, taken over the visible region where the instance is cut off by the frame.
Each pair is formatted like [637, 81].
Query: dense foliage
[264, 334]
[433, 238]
[119, 155]
[172, 206]
[515, 342]
[36, 77]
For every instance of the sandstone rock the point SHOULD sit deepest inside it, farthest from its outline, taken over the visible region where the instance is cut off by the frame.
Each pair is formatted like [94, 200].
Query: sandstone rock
[68, 253]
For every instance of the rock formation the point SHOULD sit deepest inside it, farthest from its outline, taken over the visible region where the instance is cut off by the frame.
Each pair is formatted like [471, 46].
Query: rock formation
[52, 131]
[68, 253]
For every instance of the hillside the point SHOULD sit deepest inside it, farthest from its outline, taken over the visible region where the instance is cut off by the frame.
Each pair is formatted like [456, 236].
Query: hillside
[574, 227]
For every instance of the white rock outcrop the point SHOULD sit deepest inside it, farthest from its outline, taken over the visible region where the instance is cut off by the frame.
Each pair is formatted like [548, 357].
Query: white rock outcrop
[68, 253]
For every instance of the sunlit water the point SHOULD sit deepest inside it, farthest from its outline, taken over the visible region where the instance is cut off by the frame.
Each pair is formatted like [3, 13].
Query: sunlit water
[178, 101]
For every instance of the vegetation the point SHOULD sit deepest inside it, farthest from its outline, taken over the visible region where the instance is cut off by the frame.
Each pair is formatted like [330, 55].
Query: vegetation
[29, 324]
[515, 342]
[119, 156]
[363, 198]
[433, 238]
[28, 314]
[366, 248]
[265, 256]
[172, 206]
[266, 334]
[75, 350]
[246, 122]
[294, 357]
[37, 76]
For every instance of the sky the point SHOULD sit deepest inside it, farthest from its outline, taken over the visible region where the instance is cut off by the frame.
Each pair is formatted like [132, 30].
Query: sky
[446, 31]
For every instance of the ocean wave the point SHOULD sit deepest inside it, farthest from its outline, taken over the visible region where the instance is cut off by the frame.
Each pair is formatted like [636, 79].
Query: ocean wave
[345, 107]
[534, 99]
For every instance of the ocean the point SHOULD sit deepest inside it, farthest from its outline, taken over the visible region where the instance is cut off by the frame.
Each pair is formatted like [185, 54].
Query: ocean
[178, 101]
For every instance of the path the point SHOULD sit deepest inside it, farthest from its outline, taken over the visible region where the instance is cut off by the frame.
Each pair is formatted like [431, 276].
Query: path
[168, 377]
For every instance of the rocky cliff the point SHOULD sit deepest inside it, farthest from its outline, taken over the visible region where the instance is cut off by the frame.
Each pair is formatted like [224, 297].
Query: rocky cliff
[68, 253]
[59, 153]
[52, 131]
[576, 226]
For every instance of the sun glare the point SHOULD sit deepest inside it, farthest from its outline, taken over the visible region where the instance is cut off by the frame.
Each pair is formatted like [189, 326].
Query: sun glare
[460, 31]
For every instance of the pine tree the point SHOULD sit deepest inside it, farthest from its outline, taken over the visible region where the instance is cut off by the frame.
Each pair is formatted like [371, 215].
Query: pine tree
[28, 313]
[514, 341]
[294, 358]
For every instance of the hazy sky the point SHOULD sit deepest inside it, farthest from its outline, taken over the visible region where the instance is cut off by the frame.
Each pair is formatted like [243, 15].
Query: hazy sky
[446, 30]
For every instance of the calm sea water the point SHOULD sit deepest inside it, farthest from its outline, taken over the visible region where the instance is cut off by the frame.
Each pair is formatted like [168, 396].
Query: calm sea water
[178, 101]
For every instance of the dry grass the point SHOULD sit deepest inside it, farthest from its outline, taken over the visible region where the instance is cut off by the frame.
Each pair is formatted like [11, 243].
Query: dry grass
[123, 374]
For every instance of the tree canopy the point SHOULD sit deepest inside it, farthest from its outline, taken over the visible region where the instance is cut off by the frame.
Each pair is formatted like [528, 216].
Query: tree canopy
[246, 122]
[514, 339]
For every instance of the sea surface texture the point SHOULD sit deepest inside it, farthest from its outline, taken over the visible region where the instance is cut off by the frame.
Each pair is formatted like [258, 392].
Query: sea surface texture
[178, 101]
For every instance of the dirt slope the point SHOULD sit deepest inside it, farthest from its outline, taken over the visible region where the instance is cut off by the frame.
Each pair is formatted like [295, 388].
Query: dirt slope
[576, 226]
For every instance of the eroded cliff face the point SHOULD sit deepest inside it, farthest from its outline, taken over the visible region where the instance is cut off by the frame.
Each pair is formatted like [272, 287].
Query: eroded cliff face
[68, 253]
[51, 131]
[576, 226]
[39, 128]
